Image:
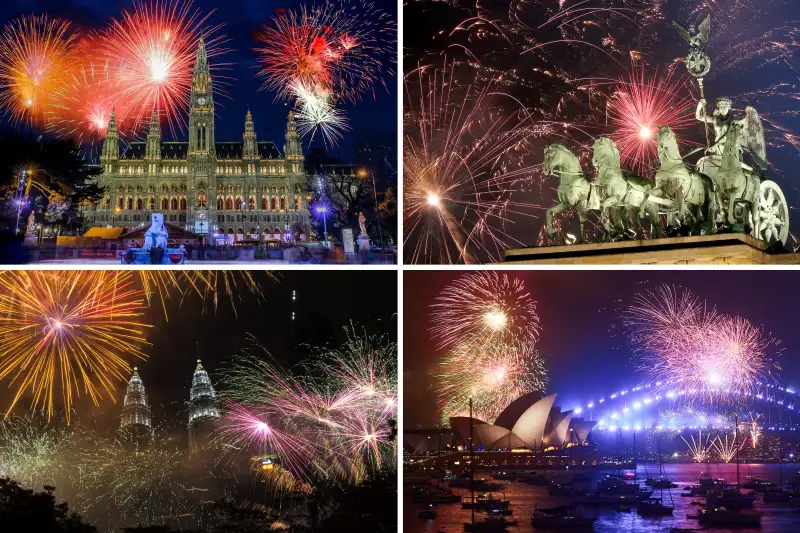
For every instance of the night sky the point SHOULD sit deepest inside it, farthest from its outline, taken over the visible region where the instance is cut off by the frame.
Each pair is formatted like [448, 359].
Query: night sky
[581, 340]
[374, 119]
[326, 302]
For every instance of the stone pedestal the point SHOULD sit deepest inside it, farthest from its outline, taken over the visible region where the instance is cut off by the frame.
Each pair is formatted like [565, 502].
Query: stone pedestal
[363, 243]
[719, 249]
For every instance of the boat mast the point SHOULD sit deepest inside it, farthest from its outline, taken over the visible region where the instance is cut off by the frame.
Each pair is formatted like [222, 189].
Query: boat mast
[735, 439]
[471, 464]
[634, 457]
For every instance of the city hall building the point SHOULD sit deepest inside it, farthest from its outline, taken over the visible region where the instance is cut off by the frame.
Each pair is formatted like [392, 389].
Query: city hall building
[235, 190]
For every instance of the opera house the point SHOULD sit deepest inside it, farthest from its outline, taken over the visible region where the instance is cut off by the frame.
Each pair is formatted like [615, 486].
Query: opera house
[531, 426]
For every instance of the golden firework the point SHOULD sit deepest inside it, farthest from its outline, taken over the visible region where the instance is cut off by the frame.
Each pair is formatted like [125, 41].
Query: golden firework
[61, 330]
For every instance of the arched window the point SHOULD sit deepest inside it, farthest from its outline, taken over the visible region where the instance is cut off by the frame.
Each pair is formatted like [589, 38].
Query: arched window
[283, 203]
[229, 204]
[219, 204]
[297, 202]
[251, 203]
[164, 204]
[263, 203]
[201, 200]
[183, 204]
[152, 204]
[273, 203]
[173, 204]
[121, 203]
[239, 204]
[130, 203]
[139, 204]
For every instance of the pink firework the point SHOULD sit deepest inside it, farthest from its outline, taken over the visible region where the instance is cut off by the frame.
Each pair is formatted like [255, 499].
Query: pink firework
[151, 52]
[640, 106]
[695, 351]
[482, 307]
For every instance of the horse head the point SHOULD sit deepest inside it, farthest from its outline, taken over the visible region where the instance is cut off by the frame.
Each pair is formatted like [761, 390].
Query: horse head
[606, 154]
[668, 152]
[555, 155]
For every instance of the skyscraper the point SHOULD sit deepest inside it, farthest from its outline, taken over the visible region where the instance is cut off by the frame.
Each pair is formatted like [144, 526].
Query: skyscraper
[203, 409]
[136, 423]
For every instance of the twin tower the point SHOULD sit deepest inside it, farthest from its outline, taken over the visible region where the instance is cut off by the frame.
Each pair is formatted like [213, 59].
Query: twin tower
[136, 422]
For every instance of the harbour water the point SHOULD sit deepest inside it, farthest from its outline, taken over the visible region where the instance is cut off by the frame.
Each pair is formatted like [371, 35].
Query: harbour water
[777, 518]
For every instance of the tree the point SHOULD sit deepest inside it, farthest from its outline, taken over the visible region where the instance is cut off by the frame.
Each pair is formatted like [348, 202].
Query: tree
[23, 510]
[61, 176]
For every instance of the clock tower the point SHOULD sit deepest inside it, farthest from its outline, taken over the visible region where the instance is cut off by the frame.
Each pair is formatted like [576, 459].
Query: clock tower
[201, 156]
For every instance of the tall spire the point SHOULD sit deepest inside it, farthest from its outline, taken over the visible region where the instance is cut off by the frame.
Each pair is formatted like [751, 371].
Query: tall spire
[201, 78]
[153, 148]
[203, 410]
[293, 146]
[110, 150]
[250, 147]
[201, 59]
[136, 423]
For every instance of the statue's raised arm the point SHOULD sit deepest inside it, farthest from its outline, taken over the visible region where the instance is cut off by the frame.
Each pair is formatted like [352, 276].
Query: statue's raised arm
[700, 113]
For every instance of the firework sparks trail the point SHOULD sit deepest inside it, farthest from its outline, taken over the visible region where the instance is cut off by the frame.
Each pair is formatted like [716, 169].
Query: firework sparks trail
[698, 450]
[691, 348]
[727, 450]
[754, 429]
[36, 53]
[160, 39]
[317, 114]
[485, 307]
[333, 422]
[62, 329]
[460, 164]
[30, 452]
[209, 285]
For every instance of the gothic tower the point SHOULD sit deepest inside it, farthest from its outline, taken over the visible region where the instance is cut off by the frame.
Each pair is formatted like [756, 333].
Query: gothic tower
[201, 156]
[153, 149]
[249, 148]
[203, 410]
[135, 426]
[109, 157]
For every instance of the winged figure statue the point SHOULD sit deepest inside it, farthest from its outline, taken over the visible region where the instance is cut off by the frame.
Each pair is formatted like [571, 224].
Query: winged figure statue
[695, 38]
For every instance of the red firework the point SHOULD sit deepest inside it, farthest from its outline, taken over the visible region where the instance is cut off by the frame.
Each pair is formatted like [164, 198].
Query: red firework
[340, 51]
[640, 106]
[83, 103]
[151, 52]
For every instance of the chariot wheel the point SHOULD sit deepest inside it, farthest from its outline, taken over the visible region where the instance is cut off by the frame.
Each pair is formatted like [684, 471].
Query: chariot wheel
[773, 214]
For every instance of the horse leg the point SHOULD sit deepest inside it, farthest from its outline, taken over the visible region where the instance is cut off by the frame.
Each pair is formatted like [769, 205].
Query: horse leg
[556, 209]
[582, 217]
[731, 200]
[655, 220]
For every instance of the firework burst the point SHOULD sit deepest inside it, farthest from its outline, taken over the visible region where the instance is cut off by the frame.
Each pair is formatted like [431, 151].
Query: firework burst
[484, 307]
[493, 375]
[63, 329]
[330, 423]
[639, 106]
[82, 105]
[160, 39]
[690, 348]
[36, 54]
[338, 51]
